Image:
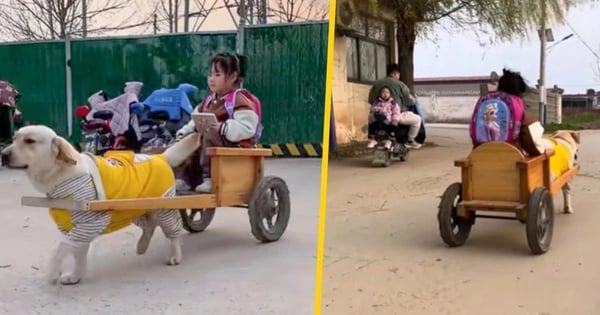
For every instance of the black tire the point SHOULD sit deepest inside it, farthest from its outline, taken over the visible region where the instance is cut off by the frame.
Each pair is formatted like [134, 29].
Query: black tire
[540, 221]
[381, 158]
[454, 230]
[262, 207]
[194, 225]
[405, 156]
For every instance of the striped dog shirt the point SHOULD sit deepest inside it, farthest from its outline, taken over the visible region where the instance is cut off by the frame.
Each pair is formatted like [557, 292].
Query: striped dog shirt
[117, 175]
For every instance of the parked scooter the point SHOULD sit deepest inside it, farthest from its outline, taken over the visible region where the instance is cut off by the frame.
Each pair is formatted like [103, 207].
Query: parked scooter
[382, 155]
[111, 124]
[10, 116]
[165, 111]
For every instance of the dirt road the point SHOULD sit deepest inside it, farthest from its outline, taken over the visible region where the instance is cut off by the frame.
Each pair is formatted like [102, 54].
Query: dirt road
[384, 254]
[224, 269]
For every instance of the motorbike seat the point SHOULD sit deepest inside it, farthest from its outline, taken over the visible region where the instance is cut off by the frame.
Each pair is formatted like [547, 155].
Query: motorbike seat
[159, 115]
[96, 124]
[103, 114]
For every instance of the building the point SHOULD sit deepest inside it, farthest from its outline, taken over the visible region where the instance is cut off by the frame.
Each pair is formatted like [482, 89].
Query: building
[365, 44]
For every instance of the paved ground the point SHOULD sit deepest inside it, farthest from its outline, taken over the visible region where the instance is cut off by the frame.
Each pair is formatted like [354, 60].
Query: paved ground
[224, 270]
[384, 254]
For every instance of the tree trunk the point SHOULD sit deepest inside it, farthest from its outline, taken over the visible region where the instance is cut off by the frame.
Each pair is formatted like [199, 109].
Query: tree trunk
[406, 36]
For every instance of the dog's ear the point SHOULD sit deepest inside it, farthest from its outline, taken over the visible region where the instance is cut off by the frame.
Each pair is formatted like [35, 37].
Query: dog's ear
[576, 136]
[66, 152]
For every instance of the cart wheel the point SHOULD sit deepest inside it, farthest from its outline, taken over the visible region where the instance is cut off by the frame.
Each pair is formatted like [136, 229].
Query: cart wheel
[454, 230]
[197, 220]
[540, 221]
[269, 209]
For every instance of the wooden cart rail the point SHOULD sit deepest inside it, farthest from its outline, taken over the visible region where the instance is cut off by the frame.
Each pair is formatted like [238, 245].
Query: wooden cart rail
[235, 173]
[496, 176]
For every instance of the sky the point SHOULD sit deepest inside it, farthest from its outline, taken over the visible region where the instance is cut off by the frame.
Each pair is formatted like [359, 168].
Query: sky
[570, 64]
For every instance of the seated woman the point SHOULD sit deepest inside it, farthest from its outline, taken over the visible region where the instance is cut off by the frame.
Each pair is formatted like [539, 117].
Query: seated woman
[237, 115]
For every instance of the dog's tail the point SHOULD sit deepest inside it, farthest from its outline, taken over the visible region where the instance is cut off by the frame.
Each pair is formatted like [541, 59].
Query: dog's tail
[182, 150]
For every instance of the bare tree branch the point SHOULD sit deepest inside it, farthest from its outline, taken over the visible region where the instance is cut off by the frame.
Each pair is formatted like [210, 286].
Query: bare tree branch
[288, 11]
[49, 19]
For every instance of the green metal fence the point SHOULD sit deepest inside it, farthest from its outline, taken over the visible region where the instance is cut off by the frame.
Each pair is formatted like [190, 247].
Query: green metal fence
[38, 71]
[286, 70]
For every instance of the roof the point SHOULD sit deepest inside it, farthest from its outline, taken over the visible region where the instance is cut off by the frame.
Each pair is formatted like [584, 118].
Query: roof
[454, 79]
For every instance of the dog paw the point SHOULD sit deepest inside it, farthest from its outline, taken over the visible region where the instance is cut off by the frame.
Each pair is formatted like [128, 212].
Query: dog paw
[143, 243]
[568, 210]
[69, 279]
[174, 261]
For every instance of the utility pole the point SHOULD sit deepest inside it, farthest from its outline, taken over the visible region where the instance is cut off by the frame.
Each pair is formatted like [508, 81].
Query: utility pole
[155, 23]
[176, 16]
[242, 11]
[84, 18]
[186, 15]
[51, 18]
[542, 82]
[170, 16]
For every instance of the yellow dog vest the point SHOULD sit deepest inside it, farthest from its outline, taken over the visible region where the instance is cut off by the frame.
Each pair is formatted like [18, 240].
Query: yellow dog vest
[559, 162]
[124, 175]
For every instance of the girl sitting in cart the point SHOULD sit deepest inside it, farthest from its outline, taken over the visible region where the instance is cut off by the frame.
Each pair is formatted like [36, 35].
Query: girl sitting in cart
[238, 114]
[501, 113]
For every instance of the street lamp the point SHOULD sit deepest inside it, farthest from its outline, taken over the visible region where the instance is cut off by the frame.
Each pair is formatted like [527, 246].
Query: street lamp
[544, 51]
[545, 36]
[558, 42]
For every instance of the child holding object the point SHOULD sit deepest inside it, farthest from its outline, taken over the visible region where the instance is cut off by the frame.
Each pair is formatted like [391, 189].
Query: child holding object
[238, 120]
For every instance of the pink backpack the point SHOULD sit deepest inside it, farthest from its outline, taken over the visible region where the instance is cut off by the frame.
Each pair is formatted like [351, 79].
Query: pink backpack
[230, 105]
[496, 118]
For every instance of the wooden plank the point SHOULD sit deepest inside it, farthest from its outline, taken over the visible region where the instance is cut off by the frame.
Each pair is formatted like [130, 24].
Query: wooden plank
[485, 205]
[178, 202]
[222, 151]
[563, 179]
[48, 203]
[462, 163]
[494, 173]
[233, 199]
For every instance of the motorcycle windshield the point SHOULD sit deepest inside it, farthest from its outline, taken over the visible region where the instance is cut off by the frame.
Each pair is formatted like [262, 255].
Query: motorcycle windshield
[172, 101]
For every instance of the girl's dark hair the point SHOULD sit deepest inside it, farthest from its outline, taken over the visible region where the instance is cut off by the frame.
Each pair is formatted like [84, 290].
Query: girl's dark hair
[512, 83]
[230, 63]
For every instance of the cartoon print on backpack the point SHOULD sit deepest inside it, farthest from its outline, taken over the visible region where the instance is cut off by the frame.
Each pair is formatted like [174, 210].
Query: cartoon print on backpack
[492, 120]
[491, 126]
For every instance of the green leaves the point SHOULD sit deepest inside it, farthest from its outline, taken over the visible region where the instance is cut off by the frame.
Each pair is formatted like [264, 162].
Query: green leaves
[507, 19]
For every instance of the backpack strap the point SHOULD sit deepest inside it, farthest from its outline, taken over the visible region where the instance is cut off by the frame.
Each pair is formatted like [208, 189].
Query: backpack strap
[207, 101]
[231, 97]
[230, 102]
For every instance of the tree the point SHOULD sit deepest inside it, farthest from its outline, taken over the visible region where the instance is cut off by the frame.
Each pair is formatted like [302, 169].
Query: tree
[499, 19]
[55, 19]
[288, 11]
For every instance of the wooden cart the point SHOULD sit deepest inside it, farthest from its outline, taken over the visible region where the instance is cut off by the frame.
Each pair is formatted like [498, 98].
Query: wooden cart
[497, 177]
[238, 181]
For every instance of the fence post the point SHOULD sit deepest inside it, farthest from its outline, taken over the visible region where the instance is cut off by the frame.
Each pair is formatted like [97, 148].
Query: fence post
[240, 40]
[69, 86]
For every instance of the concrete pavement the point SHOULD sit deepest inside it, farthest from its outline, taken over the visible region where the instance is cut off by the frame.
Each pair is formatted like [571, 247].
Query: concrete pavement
[224, 269]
